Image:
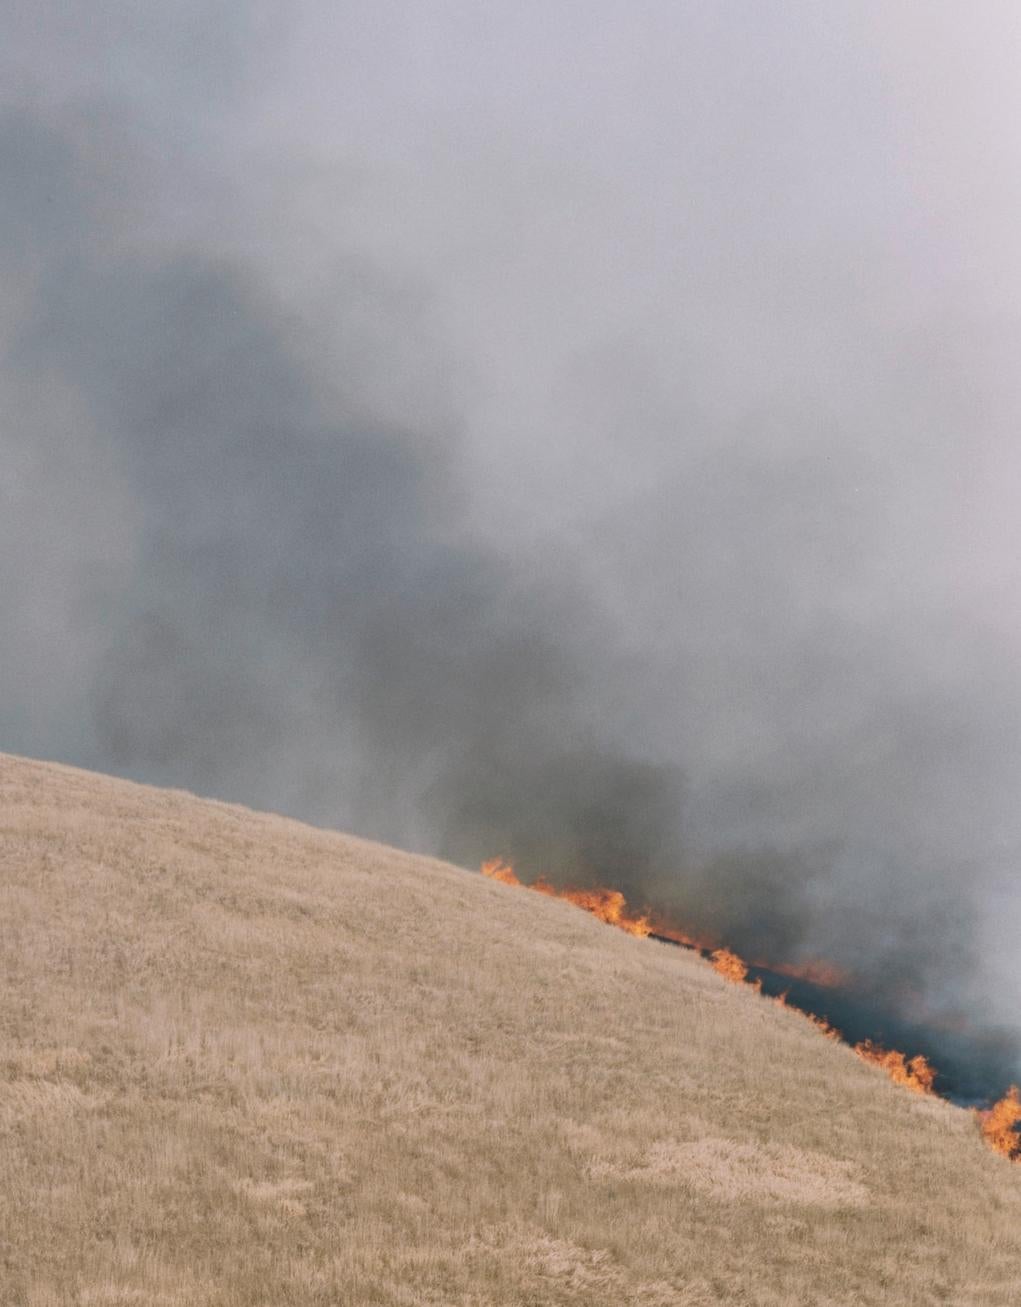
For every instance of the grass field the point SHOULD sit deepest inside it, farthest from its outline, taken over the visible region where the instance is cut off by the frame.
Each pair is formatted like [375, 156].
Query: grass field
[247, 1062]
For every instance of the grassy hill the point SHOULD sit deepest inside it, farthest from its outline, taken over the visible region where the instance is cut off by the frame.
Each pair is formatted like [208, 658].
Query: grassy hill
[247, 1062]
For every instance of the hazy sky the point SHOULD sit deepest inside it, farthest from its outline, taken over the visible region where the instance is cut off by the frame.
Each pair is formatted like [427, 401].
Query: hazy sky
[585, 432]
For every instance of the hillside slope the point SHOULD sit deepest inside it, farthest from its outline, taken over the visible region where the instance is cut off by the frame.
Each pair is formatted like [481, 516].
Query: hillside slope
[248, 1062]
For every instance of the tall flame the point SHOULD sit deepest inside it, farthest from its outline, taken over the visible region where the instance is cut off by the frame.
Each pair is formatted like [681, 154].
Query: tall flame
[1000, 1125]
[914, 1073]
[728, 964]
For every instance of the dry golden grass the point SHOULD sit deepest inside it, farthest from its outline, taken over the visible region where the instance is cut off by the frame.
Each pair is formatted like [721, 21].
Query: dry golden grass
[246, 1062]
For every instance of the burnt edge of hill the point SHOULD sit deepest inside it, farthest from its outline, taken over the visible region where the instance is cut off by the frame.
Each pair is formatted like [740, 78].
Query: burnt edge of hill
[971, 1070]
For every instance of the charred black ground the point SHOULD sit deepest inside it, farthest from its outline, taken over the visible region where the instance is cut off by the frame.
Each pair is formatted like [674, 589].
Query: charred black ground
[974, 1067]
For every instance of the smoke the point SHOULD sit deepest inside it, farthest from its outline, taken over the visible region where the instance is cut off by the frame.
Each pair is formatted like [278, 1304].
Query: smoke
[577, 436]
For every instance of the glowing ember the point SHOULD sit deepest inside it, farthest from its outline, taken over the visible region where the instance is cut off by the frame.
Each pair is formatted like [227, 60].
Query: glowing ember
[1001, 1125]
[913, 1073]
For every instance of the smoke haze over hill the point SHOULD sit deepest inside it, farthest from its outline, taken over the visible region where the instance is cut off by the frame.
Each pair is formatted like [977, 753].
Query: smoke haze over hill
[582, 435]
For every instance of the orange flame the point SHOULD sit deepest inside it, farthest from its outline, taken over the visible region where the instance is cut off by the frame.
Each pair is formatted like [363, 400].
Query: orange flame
[608, 905]
[914, 1073]
[728, 964]
[1001, 1125]
[823, 1026]
[497, 869]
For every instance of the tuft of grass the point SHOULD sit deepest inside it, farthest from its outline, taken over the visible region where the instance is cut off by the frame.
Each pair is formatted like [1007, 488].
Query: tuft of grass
[244, 1062]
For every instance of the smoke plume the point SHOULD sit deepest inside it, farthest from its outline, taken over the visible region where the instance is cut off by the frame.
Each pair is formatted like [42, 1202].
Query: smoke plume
[572, 435]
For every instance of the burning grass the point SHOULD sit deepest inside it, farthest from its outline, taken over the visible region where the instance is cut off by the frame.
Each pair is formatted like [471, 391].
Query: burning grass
[246, 1062]
[728, 964]
[914, 1073]
[1000, 1125]
[608, 905]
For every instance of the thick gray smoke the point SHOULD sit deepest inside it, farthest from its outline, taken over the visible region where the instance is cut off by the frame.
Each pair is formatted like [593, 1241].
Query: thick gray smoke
[585, 434]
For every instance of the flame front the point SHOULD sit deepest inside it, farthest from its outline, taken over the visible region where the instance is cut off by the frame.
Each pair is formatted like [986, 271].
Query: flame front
[1001, 1125]
[608, 905]
[914, 1073]
[734, 968]
[497, 869]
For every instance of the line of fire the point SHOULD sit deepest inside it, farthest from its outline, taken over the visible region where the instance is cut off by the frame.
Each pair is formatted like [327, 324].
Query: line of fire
[825, 997]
